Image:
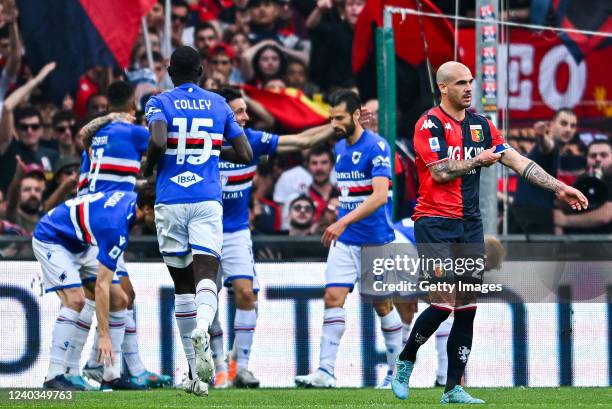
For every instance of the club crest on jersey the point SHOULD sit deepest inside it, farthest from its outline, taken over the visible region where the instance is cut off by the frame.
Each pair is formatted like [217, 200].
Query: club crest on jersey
[476, 132]
[356, 156]
[434, 144]
[428, 124]
[186, 179]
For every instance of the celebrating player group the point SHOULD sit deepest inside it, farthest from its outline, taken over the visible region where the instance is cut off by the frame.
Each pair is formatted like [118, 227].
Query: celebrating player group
[203, 160]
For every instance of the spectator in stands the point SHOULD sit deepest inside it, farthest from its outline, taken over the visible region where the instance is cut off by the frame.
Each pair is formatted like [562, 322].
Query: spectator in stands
[372, 107]
[63, 133]
[25, 195]
[162, 78]
[97, 104]
[269, 63]
[532, 209]
[179, 15]
[47, 111]
[205, 37]
[29, 130]
[301, 212]
[332, 44]
[65, 181]
[326, 12]
[239, 41]
[265, 25]
[291, 184]
[221, 60]
[296, 76]
[155, 18]
[93, 82]
[10, 48]
[264, 213]
[320, 164]
[330, 214]
[596, 184]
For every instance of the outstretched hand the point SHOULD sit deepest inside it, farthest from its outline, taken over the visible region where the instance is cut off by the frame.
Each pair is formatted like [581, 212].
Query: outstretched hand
[573, 197]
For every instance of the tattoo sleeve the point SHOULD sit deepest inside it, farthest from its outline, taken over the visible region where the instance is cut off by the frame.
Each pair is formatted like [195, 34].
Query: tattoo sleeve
[537, 176]
[89, 130]
[452, 169]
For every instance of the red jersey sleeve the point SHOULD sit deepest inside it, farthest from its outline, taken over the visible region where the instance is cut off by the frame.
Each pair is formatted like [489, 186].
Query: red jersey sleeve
[429, 140]
[496, 136]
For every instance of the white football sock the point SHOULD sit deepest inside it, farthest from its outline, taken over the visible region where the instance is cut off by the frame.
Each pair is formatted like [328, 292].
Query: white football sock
[442, 334]
[334, 323]
[82, 325]
[60, 340]
[116, 323]
[130, 346]
[92, 362]
[206, 303]
[216, 344]
[391, 326]
[244, 328]
[185, 313]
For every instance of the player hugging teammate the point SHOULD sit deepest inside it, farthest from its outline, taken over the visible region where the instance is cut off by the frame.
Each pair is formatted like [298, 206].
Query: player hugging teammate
[205, 163]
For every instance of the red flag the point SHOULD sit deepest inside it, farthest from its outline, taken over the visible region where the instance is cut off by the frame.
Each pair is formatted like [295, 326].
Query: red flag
[118, 22]
[290, 107]
[439, 33]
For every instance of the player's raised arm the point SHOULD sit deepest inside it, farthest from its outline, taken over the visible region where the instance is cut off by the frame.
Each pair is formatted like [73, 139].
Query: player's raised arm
[305, 139]
[537, 176]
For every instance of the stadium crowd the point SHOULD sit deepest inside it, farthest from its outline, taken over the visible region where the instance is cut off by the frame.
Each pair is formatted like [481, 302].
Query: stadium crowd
[268, 44]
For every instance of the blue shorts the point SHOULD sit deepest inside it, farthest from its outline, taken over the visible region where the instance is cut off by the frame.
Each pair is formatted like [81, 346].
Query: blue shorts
[458, 243]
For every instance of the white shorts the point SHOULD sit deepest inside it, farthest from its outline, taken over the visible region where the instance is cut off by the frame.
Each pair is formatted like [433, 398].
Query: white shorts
[62, 269]
[343, 266]
[237, 259]
[194, 228]
[121, 270]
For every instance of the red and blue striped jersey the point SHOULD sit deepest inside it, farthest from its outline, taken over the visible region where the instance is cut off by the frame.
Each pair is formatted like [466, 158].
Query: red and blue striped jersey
[438, 137]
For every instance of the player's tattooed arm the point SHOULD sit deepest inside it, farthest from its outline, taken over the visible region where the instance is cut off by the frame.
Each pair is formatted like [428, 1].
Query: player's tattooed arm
[452, 169]
[88, 131]
[537, 176]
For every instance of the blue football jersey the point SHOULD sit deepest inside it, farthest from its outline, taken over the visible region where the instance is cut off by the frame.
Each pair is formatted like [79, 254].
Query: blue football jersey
[197, 121]
[83, 186]
[114, 158]
[356, 165]
[237, 181]
[74, 226]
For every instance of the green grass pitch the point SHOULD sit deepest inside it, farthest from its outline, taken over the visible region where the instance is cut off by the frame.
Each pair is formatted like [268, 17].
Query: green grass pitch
[539, 398]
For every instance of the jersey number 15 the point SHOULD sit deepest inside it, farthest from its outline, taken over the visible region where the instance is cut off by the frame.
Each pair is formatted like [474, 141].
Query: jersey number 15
[196, 136]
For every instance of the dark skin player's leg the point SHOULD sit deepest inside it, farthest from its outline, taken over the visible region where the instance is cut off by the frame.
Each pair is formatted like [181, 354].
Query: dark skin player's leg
[183, 279]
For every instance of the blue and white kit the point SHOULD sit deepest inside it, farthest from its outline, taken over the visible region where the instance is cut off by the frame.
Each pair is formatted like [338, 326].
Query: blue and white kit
[188, 209]
[356, 165]
[67, 237]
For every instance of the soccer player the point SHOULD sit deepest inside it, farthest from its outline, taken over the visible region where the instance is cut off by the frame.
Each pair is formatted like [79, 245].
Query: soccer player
[363, 170]
[237, 264]
[451, 145]
[111, 162]
[79, 239]
[187, 126]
